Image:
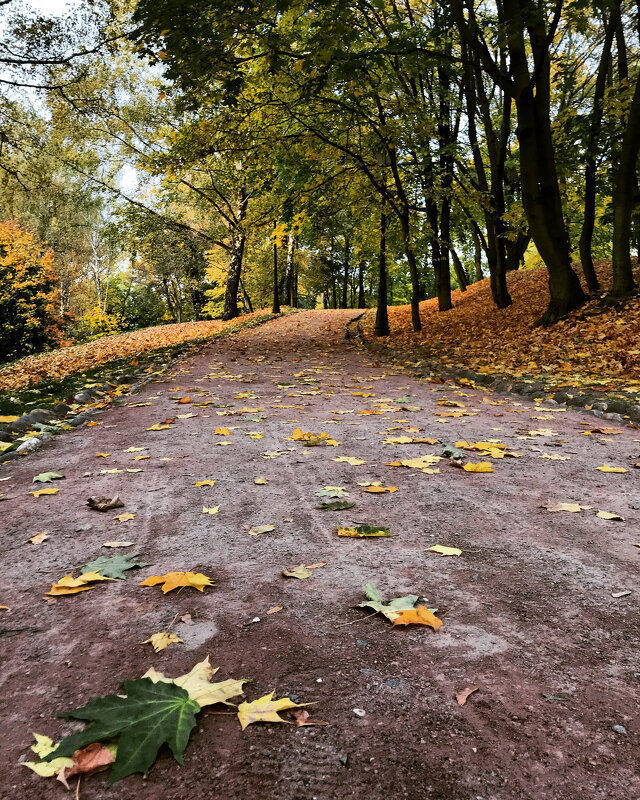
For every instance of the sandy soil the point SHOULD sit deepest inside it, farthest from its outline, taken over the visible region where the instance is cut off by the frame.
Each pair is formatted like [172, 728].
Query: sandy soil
[527, 609]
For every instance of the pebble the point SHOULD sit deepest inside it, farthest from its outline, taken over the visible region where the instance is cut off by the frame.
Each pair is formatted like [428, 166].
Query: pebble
[360, 713]
[619, 729]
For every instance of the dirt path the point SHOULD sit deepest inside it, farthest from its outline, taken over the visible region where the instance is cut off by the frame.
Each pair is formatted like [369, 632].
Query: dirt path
[527, 609]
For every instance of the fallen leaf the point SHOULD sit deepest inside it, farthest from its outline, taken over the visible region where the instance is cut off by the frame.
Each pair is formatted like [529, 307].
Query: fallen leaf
[38, 538]
[365, 531]
[71, 585]
[381, 489]
[212, 510]
[38, 492]
[463, 696]
[204, 483]
[301, 717]
[134, 449]
[222, 432]
[336, 505]
[260, 481]
[104, 503]
[571, 507]
[555, 457]
[114, 471]
[174, 580]
[46, 769]
[197, 684]
[149, 715]
[117, 544]
[93, 758]
[607, 468]
[5, 418]
[258, 529]
[300, 572]
[481, 466]
[160, 641]
[420, 615]
[332, 491]
[355, 462]
[609, 515]
[265, 709]
[103, 455]
[421, 462]
[444, 550]
[158, 427]
[112, 567]
[275, 609]
[125, 517]
[140, 458]
[623, 593]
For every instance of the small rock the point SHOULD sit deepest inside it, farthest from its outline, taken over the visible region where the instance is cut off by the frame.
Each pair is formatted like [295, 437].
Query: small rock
[619, 729]
[81, 528]
[362, 643]
[361, 713]
[29, 446]
[42, 415]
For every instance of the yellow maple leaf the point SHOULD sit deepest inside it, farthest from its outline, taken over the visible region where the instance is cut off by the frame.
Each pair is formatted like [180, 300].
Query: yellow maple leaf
[444, 550]
[160, 641]
[125, 517]
[70, 585]
[8, 418]
[355, 462]
[212, 510]
[573, 508]
[174, 580]
[481, 466]
[380, 489]
[140, 458]
[607, 468]
[222, 432]
[204, 483]
[610, 516]
[418, 616]
[38, 492]
[197, 684]
[103, 455]
[158, 427]
[265, 709]
[38, 538]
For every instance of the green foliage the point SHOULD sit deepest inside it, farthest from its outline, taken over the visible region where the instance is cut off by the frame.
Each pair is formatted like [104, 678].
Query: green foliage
[150, 715]
[114, 566]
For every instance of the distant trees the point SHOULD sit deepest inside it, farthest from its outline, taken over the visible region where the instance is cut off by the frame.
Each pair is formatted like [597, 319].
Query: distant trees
[29, 309]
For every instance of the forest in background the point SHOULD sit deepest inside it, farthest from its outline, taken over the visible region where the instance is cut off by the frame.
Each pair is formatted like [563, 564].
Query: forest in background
[175, 160]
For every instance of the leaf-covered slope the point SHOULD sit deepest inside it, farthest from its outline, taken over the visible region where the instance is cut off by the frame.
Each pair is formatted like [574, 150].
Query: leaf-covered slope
[595, 345]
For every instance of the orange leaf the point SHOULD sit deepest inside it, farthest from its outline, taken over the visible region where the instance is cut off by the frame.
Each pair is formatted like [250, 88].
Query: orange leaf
[418, 616]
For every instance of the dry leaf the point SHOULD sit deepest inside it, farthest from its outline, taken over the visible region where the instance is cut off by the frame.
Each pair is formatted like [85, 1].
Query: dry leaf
[355, 462]
[265, 709]
[444, 550]
[607, 468]
[160, 641]
[38, 492]
[275, 609]
[609, 515]
[174, 580]
[204, 483]
[117, 544]
[71, 585]
[462, 696]
[417, 616]
[258, 529]
[301, 572]
[38, 538]
[301, 716]
[481, 466]
[104, 503]
[380, 489]
[571, 507]
[125, 517]
[213, 510]
[260, 481]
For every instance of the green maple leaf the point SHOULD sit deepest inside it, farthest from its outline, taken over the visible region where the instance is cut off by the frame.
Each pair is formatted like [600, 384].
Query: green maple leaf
[337, 505]
[113, 567]
[389, 609]
[150, 715]
[47, 477]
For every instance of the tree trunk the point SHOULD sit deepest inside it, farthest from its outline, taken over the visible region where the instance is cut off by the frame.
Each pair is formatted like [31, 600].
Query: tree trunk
[461, 275]
[246, 299]
[361, 300]
[477, 256]
[345, 274]
[236, 254]
[590, 168]
[382, 317]
[276, 298]
[233, 277]
[287, 295]
[624, 199]
[540, 191]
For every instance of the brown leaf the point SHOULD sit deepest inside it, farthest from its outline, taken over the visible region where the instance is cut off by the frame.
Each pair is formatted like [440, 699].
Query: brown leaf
[301, 716]
[462, 696]
[104, 503]
[93, 758]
